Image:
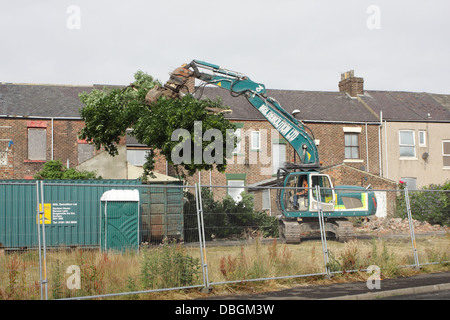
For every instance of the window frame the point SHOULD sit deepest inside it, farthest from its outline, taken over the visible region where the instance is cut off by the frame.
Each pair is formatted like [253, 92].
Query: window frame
[445, 154]
[351, 146]
[265, 200]
[35, 126]
[235, 177]
[413, 146]
[253, 147]
[424, 143]
[412, 181]
[146, 150]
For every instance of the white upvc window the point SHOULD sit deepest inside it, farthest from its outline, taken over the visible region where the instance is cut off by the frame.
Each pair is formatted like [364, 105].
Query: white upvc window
[407, 144]
[256, 141]
[422, 138]
[446, 153]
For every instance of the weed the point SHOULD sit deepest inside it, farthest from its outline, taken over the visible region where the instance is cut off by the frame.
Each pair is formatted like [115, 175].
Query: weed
[13, 271]
[58, 278]
[132, 287]
[168, 266]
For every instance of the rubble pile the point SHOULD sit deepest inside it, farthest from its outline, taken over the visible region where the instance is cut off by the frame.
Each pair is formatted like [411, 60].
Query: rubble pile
[398, 225]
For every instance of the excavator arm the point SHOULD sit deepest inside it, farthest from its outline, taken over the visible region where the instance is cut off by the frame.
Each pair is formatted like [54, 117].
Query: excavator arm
[239, 84]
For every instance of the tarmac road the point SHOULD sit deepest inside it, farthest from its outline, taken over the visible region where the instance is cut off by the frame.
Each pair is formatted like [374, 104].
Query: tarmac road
[412, 286]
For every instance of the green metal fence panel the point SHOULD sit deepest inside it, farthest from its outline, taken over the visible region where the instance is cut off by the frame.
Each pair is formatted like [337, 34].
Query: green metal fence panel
[73, 207]
[162, 212]
[18, 208]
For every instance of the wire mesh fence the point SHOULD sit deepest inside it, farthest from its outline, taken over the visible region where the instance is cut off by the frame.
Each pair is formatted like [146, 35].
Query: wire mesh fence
[79, 240]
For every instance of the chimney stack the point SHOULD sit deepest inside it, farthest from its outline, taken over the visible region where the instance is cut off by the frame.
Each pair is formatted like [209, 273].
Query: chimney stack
[350, 84]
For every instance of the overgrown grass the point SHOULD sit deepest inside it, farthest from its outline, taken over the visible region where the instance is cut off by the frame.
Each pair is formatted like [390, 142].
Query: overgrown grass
[174, 265]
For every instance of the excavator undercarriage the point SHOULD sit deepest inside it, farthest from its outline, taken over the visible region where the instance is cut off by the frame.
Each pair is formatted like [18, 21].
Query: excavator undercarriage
[294, 231]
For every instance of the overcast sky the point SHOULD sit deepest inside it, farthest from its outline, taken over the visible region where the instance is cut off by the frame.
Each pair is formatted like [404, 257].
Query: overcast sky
[286, 44]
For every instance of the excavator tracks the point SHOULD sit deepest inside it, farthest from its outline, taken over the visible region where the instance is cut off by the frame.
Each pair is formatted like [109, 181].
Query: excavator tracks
[344, 231]
[292, 231]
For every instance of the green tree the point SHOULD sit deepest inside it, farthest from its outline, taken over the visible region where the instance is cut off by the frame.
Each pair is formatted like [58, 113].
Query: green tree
[431, 205]
[228, 218]
[108, 113]
[54, 170]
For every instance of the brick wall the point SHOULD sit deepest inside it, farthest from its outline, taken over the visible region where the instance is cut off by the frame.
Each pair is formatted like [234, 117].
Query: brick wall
[257, 165]
[65, 145]
[332, 145]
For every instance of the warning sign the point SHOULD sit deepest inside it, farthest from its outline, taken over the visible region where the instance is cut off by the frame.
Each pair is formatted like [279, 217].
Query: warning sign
[64, 213]
[59, 213]
[47, 214]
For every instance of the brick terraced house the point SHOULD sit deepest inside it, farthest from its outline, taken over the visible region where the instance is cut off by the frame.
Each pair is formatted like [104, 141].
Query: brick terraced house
[364, 137]
[39, 123]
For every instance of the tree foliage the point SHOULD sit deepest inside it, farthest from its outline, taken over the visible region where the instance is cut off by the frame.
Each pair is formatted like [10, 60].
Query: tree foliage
[228, 218]
[54, 170]
[108, 113]
[431, 205]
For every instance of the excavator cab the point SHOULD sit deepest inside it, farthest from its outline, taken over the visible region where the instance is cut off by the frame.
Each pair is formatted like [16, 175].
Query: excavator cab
[299, 198]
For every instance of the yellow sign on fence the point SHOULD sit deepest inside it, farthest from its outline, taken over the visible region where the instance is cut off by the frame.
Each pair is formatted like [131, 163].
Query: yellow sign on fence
[47, 214]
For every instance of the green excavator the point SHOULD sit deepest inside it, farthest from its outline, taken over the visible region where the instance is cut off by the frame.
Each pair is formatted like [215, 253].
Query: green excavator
[304, 193]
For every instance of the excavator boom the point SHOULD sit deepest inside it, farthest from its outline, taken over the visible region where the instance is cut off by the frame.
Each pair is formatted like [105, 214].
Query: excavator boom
[239, 84]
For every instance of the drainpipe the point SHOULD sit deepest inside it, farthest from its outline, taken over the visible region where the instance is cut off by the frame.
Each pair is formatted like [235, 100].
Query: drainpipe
[379, 144]
[385, 136]
[367, 149]
[52, 139]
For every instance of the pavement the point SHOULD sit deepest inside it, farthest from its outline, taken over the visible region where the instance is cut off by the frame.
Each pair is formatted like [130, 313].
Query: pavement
[418, 284]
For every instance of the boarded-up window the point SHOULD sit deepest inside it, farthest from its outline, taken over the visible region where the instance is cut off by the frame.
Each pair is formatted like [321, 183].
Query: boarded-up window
[266, 199]
[446, 152]
[411, 183]
[136, 157]
[37, 144]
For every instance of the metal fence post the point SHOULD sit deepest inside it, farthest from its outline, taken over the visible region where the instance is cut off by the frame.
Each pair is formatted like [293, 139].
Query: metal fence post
[411, 229]
[38, 224]
[41, 246]
[322, 231]
[201, 235]
[44, 269]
